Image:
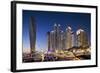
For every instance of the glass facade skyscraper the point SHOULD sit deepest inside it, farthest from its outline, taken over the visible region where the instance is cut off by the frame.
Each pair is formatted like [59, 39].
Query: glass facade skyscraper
[68, 34]
[82, 39]
[55, 38]
[32, 34]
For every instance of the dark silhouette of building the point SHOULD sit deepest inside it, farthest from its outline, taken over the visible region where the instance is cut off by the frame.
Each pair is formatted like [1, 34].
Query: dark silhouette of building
[48, 34]
[32, 34]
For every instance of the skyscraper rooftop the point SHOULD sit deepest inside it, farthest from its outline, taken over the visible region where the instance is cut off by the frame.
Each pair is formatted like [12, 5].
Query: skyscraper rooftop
[78, 31]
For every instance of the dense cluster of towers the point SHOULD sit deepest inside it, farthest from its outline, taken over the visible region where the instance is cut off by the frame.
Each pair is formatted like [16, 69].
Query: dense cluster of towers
[64, 40]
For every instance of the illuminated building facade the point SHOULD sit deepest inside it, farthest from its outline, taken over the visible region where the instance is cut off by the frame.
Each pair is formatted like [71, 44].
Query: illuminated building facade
[55, 38]
[73, 39]
[60, 40]
[82, 39]
[69, 40]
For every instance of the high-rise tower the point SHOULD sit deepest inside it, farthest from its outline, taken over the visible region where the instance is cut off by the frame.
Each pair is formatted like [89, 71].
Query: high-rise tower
[82, 39]
[69, 40]
[32, 34]
[55, 38]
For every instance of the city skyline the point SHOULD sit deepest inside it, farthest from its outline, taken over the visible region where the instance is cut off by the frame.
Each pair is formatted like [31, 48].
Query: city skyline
[45, 20]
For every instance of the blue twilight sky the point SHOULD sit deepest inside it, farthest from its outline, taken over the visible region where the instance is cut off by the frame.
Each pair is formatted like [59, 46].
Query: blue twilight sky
[45, 21]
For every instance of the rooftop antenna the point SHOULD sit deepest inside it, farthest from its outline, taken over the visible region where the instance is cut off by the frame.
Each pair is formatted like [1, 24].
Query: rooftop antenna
[55, 24]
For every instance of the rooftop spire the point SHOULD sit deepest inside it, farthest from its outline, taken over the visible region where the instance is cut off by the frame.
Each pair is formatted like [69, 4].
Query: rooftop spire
[55, 24]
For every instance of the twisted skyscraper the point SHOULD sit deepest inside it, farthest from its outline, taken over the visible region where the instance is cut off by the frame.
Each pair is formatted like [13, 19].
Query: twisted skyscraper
[32, 34]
